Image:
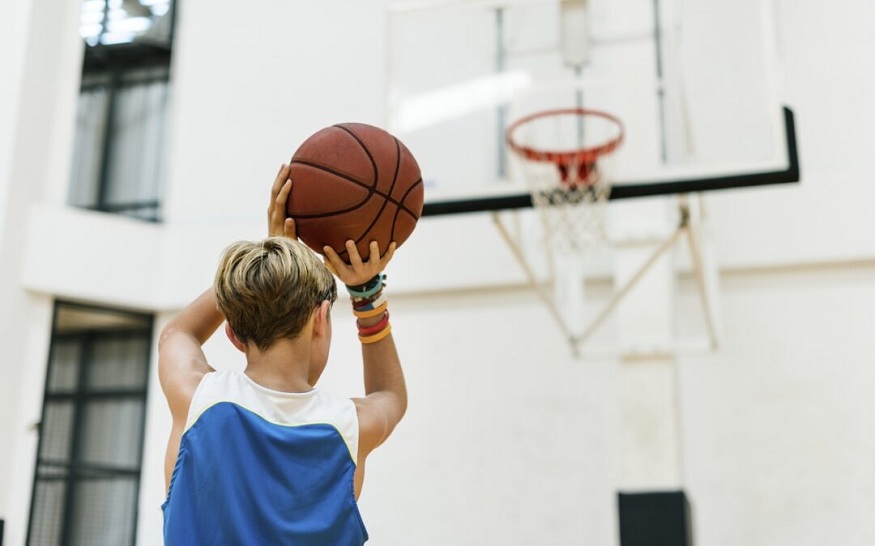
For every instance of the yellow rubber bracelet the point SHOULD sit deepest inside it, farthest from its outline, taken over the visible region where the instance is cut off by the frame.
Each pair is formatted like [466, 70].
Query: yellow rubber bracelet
[371, 312]
[376, 337]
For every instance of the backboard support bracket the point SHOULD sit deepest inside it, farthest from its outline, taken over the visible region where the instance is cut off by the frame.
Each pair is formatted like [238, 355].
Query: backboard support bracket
[689, 228]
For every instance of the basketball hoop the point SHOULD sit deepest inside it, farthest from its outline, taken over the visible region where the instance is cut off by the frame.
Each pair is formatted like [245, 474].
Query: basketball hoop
[575, 167]
[562, 154]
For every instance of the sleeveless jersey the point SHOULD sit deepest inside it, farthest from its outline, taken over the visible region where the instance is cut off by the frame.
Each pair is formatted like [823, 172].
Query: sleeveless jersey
[262, 467]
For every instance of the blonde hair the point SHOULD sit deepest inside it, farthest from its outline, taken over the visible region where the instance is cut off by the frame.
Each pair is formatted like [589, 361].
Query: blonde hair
[268, 290]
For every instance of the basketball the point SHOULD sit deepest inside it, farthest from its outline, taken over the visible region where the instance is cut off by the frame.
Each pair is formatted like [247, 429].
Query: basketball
[354, 181]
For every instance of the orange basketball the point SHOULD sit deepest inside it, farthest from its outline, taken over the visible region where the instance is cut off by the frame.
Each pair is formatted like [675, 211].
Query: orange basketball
[354, 181]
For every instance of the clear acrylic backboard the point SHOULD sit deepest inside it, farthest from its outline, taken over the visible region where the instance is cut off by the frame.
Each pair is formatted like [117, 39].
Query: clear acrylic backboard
[696, 84]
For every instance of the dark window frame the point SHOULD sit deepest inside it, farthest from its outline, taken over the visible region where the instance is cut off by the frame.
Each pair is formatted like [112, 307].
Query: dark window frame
[74, 470]
[115, 66]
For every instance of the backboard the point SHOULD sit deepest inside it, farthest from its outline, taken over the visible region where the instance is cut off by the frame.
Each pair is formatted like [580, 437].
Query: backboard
[695, 83]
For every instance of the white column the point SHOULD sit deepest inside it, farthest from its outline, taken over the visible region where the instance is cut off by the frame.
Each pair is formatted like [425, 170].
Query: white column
[645, 324]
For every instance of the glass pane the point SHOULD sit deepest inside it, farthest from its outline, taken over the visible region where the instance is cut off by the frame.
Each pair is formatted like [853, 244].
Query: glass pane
[109, 22]
[118, 363]
[48, 513]
[56, 430]
[75, 319]
[52, 472]
[112, 433]
[107, 427]
[91, 118]
[64, 368]
[104, 512]
[136, 160]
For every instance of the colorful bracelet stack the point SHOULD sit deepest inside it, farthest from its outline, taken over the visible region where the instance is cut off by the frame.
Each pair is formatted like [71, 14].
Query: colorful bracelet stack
[368, 301]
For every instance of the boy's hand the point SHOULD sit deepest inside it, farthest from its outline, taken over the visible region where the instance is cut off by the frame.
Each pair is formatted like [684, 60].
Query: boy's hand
[278, 224]
[357, 272]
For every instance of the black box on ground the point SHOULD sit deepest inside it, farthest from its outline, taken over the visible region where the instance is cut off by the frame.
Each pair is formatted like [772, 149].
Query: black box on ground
[660, 518]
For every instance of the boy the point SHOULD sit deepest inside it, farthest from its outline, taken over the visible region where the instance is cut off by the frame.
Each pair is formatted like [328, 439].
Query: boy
[264, 457]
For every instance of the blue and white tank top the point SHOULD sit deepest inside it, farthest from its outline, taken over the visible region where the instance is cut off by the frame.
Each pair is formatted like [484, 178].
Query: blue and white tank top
[262, 467]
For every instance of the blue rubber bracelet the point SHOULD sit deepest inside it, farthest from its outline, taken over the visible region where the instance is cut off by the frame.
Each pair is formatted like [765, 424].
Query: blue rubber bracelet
[368, 289]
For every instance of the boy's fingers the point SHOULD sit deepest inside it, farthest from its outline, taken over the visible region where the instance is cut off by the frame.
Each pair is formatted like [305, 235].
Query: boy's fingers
[329, 265]
[355, 260]
[384, 261]
[285, 190]
[329, 252]
[333, 260]
[281, 178]
[282, 196]
[289, 229]
[374, 259]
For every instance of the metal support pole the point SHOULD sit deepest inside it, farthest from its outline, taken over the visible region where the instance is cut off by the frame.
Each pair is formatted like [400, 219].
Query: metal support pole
[685, 227]
[699, 274]
[530, 275]
[606, 311]
[660, 79]
[501, 111]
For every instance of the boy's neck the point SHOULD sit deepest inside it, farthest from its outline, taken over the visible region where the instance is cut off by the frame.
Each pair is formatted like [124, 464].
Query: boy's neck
[283, 367]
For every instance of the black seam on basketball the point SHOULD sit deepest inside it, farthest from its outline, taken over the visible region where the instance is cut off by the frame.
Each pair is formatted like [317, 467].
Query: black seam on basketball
[388, 198]
[399, 210]
[331, 170]
[395, 220]
[374, 221]
[391, 191]
[367, 152]
[402, 206]
[370, 189]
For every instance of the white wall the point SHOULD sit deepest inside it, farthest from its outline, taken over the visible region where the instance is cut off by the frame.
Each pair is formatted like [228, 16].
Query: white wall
[12, 48]
[828, 217]
[249, 90]
[777, 441]
[508, 439]
[40, 61]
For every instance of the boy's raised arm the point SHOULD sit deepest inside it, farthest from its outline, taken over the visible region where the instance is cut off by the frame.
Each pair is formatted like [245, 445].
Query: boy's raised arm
[181, 361]
[385, 400]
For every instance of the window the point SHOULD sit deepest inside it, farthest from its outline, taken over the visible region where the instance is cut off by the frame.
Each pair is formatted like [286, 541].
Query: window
[87, 478]
[110, 22]
[119, 145]
[118, 158]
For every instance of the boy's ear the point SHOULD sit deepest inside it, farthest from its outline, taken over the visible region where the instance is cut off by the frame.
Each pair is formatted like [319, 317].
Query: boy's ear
[321, 317]
[233, 337]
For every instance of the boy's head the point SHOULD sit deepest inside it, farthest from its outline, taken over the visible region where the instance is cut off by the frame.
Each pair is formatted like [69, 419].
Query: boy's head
[268, 290]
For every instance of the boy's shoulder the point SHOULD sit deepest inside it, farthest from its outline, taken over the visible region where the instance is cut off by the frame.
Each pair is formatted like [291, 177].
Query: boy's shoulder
[317, 406]
[230, 401]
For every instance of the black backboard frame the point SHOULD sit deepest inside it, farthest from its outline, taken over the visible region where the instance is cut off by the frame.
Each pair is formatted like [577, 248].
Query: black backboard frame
[628, 191]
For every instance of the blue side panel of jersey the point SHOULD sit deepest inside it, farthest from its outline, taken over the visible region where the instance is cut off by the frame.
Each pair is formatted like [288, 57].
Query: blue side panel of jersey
[242, 480]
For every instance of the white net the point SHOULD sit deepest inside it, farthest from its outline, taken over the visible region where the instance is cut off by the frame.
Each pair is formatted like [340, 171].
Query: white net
[573, 218]
[564, 157]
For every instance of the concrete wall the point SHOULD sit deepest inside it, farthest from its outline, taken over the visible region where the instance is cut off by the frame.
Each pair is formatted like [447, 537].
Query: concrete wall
[509, 440]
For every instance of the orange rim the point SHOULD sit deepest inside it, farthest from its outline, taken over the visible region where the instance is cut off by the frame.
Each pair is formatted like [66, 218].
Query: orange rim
[565, 160]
